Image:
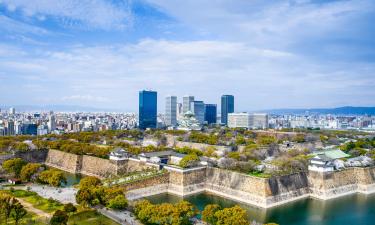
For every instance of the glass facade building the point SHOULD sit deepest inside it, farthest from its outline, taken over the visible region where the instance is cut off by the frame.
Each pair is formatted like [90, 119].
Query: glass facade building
[197, 107]
[171, 111]
[227, 106]
[210, 113]
[147, 109]
[186, 103]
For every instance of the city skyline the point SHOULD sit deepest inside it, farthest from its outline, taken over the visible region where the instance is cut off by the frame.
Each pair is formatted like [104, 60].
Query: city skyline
[269, 54]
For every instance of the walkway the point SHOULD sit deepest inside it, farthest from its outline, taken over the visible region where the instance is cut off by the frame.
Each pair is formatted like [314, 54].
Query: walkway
[30, 208]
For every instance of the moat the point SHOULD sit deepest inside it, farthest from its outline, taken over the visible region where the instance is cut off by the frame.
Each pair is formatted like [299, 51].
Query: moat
[352, 209]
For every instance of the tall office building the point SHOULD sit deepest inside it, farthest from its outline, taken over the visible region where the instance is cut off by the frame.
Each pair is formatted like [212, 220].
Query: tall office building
[171, 111]
[9, 127]
[12, 111]
[186, 103]
[197, 107]
[52, 122]
[227, 106]
[239, 120]
[147, 109]
[179, 110]
[210, 113]
[260, 121]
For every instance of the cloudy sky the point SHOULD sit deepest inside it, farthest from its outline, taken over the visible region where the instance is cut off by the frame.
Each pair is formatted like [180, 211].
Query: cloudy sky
[269, 54]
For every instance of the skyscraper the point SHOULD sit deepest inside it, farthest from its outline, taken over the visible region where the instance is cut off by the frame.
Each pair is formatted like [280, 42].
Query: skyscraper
[210, 113]
[171, 111]
[147, 109]
[186, 103]
[52, 122]
[12, 111]
[197, 107]
[227, 106]
[179, 111]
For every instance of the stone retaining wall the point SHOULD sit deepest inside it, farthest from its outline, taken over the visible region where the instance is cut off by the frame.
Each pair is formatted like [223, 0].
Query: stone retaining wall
[95, 166]
[220, 149]
[62, 160]
[338, 183]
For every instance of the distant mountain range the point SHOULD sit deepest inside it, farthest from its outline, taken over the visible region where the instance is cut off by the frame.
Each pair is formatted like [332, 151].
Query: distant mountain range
[346, 110]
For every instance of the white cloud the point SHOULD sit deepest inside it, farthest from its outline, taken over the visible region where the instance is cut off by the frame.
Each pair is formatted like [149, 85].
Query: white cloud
[80, 98]
[92, 13]
[111, 76]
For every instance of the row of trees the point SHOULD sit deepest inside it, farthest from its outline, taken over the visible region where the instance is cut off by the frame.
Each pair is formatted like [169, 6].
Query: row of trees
[10, 207]
[165, 214]
[92, 192]
[183, 212]
[34, 172]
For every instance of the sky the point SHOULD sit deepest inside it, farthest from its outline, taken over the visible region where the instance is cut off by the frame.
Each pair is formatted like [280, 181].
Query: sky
[268, 54]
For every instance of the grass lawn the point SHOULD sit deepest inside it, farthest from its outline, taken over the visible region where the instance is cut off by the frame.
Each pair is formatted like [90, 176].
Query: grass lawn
[90, 217]
[260, 174]
[47, 205]
[29, 219]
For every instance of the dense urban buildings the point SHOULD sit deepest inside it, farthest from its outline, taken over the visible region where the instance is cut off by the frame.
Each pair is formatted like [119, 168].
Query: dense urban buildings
[147, 109]
[227, 106]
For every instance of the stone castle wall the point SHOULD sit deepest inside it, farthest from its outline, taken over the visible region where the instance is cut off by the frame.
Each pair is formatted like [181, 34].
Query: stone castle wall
[263, 192]
[62, 160]
[338, 183]
[95, 166]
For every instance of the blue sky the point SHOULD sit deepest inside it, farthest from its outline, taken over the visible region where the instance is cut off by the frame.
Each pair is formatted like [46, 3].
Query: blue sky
[269, 54]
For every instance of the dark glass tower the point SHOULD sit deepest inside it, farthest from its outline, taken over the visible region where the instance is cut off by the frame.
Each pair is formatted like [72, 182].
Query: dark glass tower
[210, 112]
[227, 106]
[147, 109]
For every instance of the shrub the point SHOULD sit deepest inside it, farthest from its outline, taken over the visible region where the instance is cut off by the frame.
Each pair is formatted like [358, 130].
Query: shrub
[14, 166]
[28, 171]
[70, 208]
[52, 177]
[89, 181]
[59, 218]
[119, 202]
[189, 161]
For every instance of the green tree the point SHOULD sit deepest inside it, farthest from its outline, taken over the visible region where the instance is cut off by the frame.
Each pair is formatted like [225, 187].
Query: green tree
[89, 181]
[59, 218]
[70, 208]
[232, 216]
[52, 177]
[14, 166]
[18, 212]
[208, 214]
[29, 170]
[119, 202]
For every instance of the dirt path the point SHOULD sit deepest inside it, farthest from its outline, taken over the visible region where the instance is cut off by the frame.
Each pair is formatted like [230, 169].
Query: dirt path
[29, 207]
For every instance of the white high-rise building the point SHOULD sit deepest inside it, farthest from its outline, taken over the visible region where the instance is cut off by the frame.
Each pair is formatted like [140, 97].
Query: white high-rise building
[260, 121]
[171, 111]
[52, 123]
[198, 108]
[239, 120]
[186, 103]
[179, 110]
[12, 111]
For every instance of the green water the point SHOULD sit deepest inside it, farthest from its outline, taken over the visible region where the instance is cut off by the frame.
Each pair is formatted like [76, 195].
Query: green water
[71, 179]
[354, 209]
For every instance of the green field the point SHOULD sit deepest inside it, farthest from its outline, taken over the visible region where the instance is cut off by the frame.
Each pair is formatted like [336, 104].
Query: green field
[46, 205]
[90, 217]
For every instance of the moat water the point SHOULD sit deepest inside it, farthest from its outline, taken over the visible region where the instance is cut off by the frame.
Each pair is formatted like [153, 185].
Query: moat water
[356, 209]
